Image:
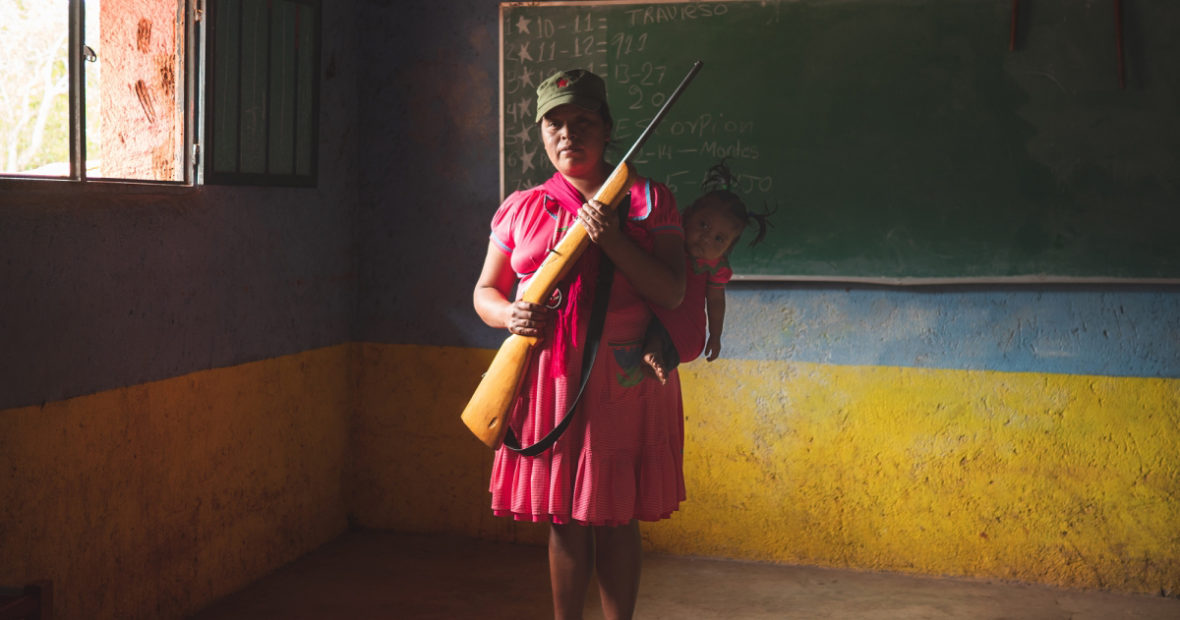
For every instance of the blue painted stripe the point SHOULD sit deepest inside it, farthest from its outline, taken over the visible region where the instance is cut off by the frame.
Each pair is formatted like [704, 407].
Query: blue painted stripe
[1114, 332]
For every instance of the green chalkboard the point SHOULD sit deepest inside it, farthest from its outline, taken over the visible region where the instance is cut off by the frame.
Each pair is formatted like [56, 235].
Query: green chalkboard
[899, 140]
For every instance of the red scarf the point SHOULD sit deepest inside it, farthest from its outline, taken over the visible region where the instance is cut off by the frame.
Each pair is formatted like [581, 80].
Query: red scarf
[578, 283]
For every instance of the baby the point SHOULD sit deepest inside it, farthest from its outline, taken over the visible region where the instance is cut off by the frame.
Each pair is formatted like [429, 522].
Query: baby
[712, 226]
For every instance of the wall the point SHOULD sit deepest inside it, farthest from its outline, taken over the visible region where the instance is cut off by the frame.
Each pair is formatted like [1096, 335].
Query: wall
[176, 375]
[1015, 434]
[1024, 433]
[151, 500]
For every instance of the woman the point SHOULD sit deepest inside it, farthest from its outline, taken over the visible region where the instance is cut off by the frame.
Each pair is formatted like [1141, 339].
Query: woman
[620, 460]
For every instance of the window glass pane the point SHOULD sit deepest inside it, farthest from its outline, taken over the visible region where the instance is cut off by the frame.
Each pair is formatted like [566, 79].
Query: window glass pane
[135, 103]
[34, 88]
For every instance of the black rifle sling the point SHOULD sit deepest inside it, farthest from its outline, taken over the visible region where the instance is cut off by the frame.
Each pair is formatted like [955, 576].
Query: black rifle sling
[589, 352]
[606, 270]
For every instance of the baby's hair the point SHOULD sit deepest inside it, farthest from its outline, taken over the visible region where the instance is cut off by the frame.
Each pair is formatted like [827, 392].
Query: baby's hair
[718, 184]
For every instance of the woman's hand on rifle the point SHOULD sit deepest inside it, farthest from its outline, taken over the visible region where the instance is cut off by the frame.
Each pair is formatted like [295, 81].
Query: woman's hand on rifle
[527, 319]
[492, 304]
[601, 223]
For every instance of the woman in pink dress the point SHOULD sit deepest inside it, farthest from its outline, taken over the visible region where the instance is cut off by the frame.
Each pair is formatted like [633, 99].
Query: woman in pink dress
[621, 459]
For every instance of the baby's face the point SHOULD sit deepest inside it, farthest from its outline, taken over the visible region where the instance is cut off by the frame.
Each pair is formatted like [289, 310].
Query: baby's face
[710, 231]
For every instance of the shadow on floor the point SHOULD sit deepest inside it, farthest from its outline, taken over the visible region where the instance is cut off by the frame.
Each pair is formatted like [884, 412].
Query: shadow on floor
[384, 575]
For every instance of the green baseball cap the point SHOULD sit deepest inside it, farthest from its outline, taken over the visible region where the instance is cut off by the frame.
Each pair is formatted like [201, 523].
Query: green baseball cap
[576, 86]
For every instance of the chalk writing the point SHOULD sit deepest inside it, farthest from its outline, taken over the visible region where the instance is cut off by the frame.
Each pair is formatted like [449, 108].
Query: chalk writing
[586, 45]
[646, 74]
[688, 181]
[735, 150]
[659, 14]
[707, 125]
[674, 180]
[625, 44]
[748, 183]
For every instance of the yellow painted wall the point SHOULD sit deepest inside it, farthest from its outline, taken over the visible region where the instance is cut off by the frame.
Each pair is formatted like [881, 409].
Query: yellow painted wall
[1057, 479]
[150, 501]
[415, 466]
[153, 500]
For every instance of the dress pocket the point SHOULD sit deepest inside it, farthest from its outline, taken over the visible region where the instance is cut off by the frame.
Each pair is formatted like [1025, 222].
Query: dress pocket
[626, 365]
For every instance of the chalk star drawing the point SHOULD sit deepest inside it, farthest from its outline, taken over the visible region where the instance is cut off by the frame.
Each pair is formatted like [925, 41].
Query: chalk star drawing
[524, 106]
[522, 25]
[524, 53]
[526, 78]
[524, 135]
[526, 160]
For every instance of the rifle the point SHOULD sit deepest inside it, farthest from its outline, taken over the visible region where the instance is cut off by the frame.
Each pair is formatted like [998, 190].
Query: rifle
[493, 399]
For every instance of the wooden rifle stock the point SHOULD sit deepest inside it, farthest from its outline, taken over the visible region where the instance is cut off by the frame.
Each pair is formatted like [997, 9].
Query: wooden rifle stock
[487, 411]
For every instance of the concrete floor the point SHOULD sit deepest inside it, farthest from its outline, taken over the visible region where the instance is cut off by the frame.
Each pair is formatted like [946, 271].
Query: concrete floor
[379, 575]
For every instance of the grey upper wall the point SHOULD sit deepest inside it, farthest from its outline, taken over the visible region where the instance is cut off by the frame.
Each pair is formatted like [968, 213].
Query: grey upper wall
[429, 183]
[106, 286]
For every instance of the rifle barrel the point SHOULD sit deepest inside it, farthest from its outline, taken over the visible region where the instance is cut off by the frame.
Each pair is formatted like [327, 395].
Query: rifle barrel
[647, 131]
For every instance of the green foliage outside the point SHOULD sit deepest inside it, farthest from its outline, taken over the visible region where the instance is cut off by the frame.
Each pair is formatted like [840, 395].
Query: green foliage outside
[34, 87]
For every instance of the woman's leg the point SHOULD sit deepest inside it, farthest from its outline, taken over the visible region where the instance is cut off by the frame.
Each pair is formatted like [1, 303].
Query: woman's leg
[571, 562]
[619, 553]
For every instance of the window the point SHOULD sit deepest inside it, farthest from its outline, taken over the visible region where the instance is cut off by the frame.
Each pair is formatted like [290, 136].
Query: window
[94, 89]
[115, 89]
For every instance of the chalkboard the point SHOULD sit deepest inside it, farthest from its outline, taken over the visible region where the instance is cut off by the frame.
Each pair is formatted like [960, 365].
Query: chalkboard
[899, 141]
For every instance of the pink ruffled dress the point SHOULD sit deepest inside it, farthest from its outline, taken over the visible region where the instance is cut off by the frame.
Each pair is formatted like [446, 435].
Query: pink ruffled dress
[622, 456]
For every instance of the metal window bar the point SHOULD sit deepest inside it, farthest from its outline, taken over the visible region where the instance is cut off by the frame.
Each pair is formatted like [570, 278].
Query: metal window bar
[77, 88]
